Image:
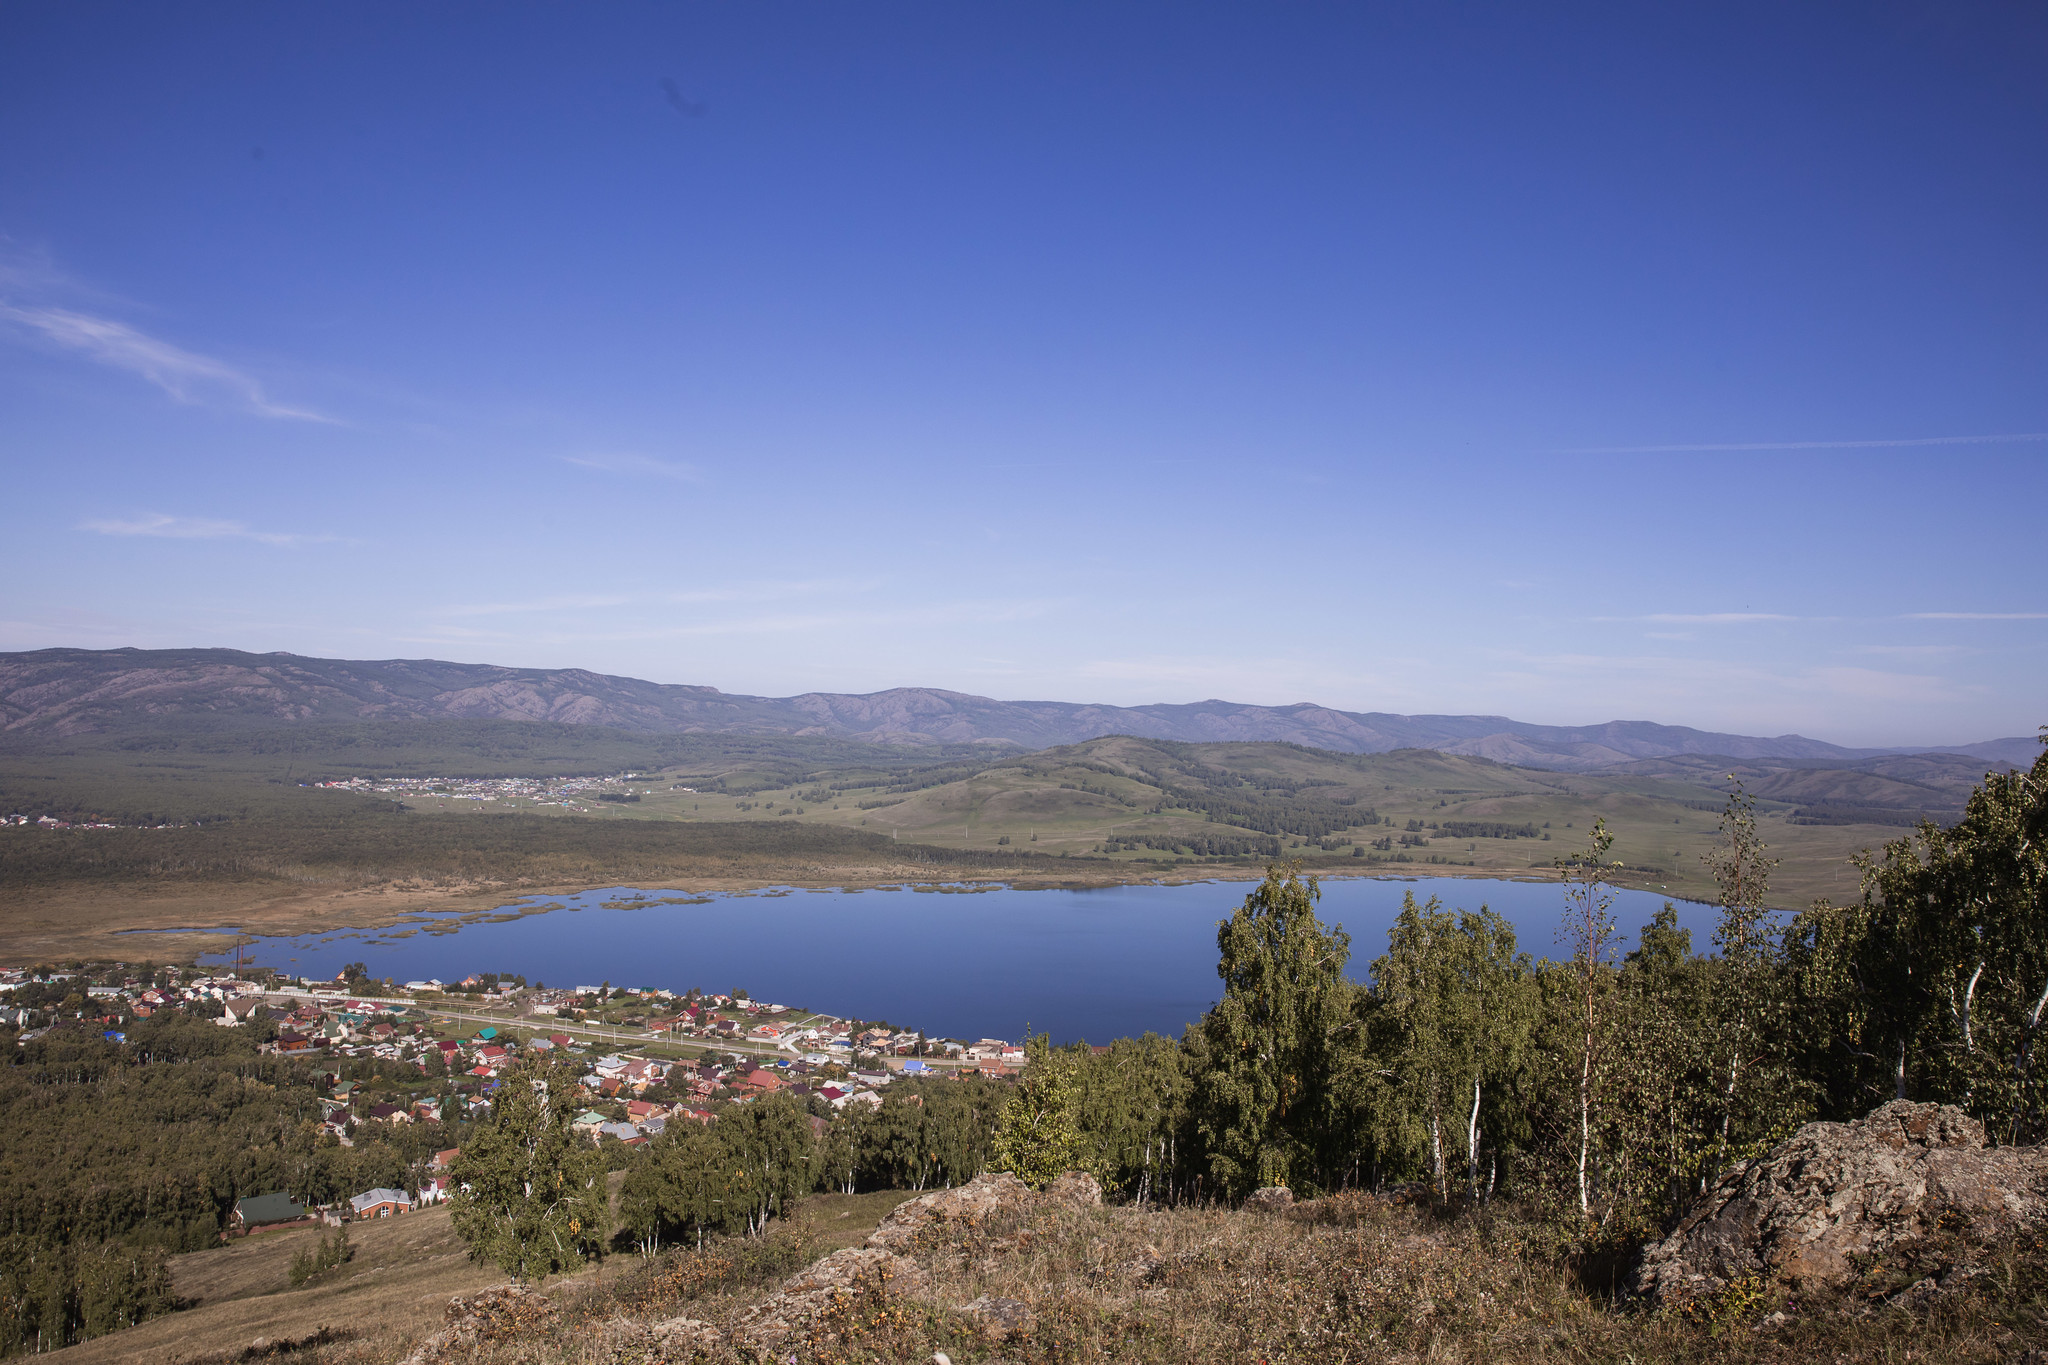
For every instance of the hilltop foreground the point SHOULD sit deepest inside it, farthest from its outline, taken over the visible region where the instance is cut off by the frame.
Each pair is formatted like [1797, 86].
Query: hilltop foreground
[994, 1272]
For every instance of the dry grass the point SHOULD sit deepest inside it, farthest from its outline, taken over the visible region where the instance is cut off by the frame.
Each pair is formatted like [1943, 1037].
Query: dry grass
[392, 1290]
[1345, 1280]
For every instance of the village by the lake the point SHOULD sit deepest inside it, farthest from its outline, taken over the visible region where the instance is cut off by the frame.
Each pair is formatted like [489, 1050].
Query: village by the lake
[648, 1056]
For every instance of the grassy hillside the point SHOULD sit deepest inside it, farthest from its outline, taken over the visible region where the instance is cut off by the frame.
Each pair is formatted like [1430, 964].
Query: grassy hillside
[254, 845]
[1147, 805]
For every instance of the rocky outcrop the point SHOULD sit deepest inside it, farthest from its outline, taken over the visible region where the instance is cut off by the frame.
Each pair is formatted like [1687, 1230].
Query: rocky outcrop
[810, 1294]
[979, 1203]
[486, 1315]
[1075, 1190]
[1000, 1318]
[1834, 1192]
[884, 1268]
[1271, 1199]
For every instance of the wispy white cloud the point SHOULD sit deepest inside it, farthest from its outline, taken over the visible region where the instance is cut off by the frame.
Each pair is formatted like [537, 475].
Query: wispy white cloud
[1709, 618]
[1975, 616]
[167, 527]
[772, 591]
[1873, 444]
[185, 375]
[646, 466]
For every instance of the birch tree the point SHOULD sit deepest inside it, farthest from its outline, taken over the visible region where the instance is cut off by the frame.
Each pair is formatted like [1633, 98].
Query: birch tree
[531, 1193]
[1589, 931]
[1452, 1016]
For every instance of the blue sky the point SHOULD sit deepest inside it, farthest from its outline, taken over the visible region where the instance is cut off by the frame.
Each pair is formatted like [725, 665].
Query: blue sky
[1566, 362]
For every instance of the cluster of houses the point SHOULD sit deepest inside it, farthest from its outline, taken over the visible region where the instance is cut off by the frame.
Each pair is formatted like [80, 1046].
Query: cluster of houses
[544, 791]
[52, 822]
[279, 1210]
[633, 1098]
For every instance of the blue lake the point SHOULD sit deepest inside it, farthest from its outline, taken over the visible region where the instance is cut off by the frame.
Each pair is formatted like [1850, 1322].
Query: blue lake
[1096, 964]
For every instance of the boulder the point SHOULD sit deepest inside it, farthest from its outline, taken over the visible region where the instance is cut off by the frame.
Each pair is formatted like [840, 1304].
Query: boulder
[1000, 1318]
[483, 1316]
[980, 1201]
[1832, 1192]
[1076, 1189]
[1272, 1199]
[835, 1280]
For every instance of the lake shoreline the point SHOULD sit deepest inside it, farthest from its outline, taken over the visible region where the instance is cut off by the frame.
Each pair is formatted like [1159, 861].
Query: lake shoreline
[168, 914]
[960, 957]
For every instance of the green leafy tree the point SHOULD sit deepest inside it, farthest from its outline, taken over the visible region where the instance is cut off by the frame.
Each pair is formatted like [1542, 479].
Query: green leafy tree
[1265, 1102]
[772, 1141]
[1936, 984]
[1132, 1105]
[1037, 1137]
[929, 1134]
[839, 1150]
[1757, 1096]
[1660, 1129]
[691, 1182]
[1452, 1017]
[531, 1192]
[1590, 932]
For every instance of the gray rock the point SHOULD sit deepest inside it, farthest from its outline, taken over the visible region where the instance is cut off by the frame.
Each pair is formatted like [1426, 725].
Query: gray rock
[1834, 1191]
[975, 1202]
[978, 1202]
[1272, 1199]
[806, 1294]
[1000, 1317]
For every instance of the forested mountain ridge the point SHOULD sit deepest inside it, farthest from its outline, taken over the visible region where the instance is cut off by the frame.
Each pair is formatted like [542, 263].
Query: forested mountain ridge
[61, 693]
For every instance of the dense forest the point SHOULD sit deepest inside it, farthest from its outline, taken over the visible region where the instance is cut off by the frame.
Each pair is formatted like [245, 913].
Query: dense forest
[118, 1153]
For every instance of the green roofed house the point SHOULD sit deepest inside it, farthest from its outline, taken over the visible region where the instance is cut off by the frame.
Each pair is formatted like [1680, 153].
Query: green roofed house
[486, 1033]
[262, 1210]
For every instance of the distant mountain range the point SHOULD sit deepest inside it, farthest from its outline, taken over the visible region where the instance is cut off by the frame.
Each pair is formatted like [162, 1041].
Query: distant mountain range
[59, 693]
